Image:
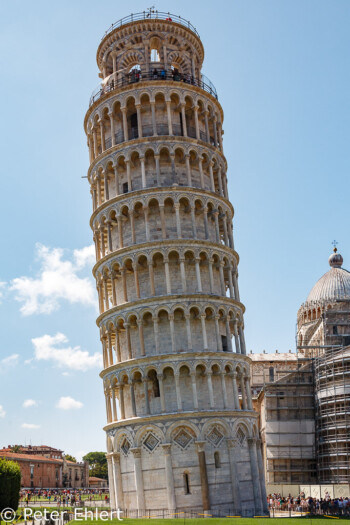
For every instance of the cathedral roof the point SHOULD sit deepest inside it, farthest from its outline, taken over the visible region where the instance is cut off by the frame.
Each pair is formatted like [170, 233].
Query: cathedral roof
[333, 285]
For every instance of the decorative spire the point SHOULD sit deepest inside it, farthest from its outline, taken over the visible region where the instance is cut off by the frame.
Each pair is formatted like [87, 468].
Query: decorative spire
[335, 260]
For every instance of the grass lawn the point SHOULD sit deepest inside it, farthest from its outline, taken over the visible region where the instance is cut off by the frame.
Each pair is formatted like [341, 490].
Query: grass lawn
[221, 521]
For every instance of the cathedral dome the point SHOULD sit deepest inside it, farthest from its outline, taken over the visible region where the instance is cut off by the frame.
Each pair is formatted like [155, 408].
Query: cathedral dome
[333, 285]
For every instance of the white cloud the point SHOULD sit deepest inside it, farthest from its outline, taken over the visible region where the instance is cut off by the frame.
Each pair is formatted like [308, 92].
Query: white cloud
[2, 285]
[55, 349]
[30, 425]
[56, 280]
[29, 403]
[8, 362]
[68, 403]
[2, 411]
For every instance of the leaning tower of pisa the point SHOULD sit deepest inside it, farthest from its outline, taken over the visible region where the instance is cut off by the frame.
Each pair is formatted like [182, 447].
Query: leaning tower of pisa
[181, 431]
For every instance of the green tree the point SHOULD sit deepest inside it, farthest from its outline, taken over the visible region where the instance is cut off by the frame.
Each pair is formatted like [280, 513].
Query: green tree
[70, 458]
[10, 484]
[97, 464]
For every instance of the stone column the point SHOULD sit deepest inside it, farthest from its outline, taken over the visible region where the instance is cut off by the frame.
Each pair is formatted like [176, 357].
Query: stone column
[114, 406]
[160, 378]
[195, 109]
[120, 231]
[110, 349]
[167, 275]
[228, 334]
[188, 330]
[111, 481]
[211, 276]
[141, 337]
[102, 237]
[145, 386]
[188, 169]
[121, 402]
[220, 181]
[230, 283]
[125, 289]
[116, 179]
[178, 392]
[178, 221]
[128, 340]
[255, 475]
[156, 158]
[184, 124]
[248, 392]
[235, 286]
[170, 125]
[109, 237]
[105, 291]
[203, 475]
[193, 219]
[94, 137]
[204, 332]
[162, 220]
[224, 223]
[194, 389]
[206, 113]
[211, 175]
[235, 392]
[154, 122]
[143, 172]
[117, 346]
[205, 217]
[133, 401]
[237, 345]
[151, 277]
[125, 125]
[105, 182]
[114, 291]
[222, 278]
[102, 132]
[183, 274]
[140, 496]
[169, 476]
[139, 121]
[136, 279]
[244, 399]
[217, 229]
[241, 340]
[210, 390]
[128, 174]
[198, 275]
[231, 443]
[156, 334]
[111, 118]
[262, 476]
[224, 391]
[200, 163]
[217, 332]
[172, 332]
[118, 484]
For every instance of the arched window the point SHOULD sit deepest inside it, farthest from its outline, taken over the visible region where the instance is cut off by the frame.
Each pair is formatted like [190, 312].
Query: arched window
[217, 459]
[187, 483]
[271, 374]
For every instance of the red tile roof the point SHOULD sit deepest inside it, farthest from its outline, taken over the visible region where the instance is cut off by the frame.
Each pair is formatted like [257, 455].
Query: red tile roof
[27, 457]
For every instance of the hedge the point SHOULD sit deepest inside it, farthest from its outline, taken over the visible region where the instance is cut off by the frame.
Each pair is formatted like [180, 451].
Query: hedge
[10, 484]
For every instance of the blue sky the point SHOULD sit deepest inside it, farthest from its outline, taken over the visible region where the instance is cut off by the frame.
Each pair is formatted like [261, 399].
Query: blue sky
[281, 72]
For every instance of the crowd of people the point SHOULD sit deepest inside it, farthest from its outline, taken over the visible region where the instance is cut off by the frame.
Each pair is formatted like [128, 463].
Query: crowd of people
[63, 497]
[303, 504]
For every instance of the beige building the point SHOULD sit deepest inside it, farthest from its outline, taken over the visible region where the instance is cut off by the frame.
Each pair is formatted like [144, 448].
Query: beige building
[303, 399]
[181, 430]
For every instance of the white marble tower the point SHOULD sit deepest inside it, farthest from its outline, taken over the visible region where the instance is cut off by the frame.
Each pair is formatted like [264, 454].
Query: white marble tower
[181, 432]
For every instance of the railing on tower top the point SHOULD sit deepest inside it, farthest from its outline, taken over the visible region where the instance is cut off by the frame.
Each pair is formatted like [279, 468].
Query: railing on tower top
[151, 15]
[158, 72]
